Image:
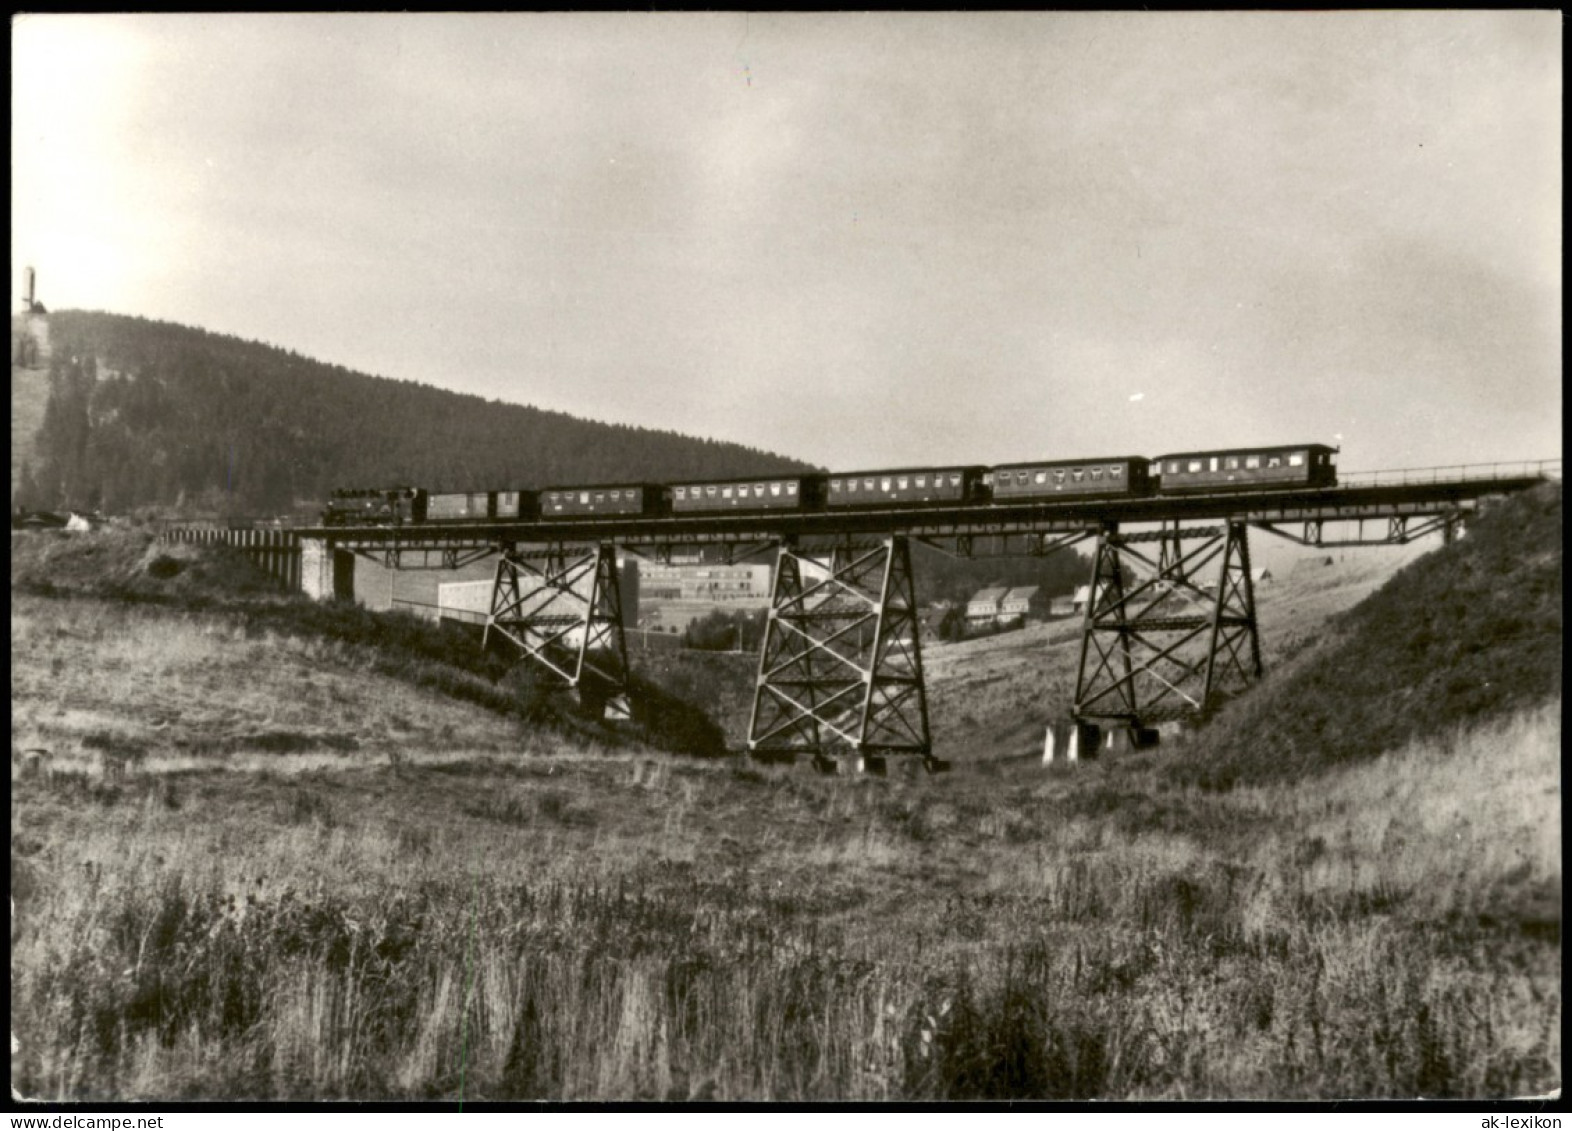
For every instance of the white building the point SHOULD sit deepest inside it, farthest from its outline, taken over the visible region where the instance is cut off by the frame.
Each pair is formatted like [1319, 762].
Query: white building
[739, 586]
[984, 604]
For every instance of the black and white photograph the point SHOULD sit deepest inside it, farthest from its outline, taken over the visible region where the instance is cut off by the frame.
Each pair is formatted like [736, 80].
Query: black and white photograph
[681, 559]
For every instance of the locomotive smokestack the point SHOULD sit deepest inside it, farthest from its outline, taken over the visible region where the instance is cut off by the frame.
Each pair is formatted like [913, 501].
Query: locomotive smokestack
[28, 284]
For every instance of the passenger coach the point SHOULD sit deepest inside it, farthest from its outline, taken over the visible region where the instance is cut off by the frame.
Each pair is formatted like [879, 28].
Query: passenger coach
[1278, 468]
[907, 487]
[802, 492]
[609, 500]
[1070, 479]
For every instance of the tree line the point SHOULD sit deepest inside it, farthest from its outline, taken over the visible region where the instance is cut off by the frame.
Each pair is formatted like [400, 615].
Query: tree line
[144, 413]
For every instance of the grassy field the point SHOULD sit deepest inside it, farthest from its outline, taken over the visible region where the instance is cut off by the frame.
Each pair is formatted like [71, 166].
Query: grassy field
[282, 851]
[992, 698]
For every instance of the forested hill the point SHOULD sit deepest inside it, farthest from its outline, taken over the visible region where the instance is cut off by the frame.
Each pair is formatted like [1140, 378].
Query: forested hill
[153, 413]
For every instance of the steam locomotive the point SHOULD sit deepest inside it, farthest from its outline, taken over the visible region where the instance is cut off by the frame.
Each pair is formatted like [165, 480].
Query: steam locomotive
[1288, 467]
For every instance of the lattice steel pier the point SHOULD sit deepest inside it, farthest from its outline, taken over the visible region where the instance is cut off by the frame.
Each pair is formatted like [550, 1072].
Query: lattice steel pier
[840, 672]
[562, 608]
[1160, 641]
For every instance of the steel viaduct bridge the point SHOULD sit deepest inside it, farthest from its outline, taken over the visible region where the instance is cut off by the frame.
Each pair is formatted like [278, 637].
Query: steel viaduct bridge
[1169, 631]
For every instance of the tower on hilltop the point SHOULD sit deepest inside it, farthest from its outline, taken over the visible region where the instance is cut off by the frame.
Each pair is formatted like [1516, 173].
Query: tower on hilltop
[30, 328]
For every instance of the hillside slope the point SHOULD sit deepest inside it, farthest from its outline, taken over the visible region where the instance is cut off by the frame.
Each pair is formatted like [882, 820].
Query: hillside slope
[257, 859]
[29, 391]
[1460, 636]
[145, 412]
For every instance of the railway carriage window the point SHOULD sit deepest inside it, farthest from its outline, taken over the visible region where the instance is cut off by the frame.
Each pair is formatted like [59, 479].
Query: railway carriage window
[1078, 474]
[758, 490]
[1040, 477]
[905, 482]
[726, 492]
[1297, 459]
[1275, 461]
[1115, 472]
[1097, 473]
[884, 483]
[835, 486]
[791, 488]
[682, 492]
[1252, 463]
[775, 490]
[1173, 467]
[1231, 463]
[955, 479]
[921, 481]
[584, 498]
[1058, 477]
[867, 484]
[1002, 477]
[1193, 465]
[711, 491]
[1214, 463]
[600, 496]
[851, 484]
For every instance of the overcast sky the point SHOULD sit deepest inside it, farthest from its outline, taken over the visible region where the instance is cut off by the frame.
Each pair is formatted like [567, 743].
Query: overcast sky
[856, 239]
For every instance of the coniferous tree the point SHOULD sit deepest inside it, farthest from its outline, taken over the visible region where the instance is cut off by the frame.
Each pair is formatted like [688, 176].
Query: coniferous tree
[186, 413]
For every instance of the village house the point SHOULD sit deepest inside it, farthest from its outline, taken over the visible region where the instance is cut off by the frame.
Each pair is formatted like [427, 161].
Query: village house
[983, 608]
[1022, 604]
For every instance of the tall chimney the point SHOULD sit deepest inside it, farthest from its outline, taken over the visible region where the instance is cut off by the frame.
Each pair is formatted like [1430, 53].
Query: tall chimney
[30, 293]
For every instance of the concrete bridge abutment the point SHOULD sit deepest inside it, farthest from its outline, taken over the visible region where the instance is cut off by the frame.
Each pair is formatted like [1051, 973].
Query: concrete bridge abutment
[327, 572]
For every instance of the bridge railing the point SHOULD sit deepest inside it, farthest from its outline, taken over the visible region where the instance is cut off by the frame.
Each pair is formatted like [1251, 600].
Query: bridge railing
[1453, 473]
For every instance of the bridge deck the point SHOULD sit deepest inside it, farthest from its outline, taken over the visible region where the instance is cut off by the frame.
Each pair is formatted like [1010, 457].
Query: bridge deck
[1349, 502]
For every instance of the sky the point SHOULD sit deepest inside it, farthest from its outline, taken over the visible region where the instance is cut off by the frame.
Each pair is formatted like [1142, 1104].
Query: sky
[861, 240]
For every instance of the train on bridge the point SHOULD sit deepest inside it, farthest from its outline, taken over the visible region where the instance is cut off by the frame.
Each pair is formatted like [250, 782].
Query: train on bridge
[1288, 467]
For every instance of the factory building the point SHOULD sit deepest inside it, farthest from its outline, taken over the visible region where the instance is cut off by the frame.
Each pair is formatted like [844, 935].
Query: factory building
[737, 586]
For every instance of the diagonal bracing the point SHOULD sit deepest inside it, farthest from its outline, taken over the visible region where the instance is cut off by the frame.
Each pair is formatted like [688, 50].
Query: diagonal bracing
[1160, 641]
[562, 608]
[841, 665]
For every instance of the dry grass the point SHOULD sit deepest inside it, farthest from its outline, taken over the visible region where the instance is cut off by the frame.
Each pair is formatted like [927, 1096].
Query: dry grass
[992, 698]
[583, 924]
[458, 904]
[185, 690]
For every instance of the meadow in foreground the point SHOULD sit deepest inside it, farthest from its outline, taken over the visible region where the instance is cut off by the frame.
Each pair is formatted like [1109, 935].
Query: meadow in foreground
[340, 869]
[597, 925]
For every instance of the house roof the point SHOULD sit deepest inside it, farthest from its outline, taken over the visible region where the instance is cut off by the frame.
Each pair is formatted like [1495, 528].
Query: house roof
[991, 595]
[1021, 593]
